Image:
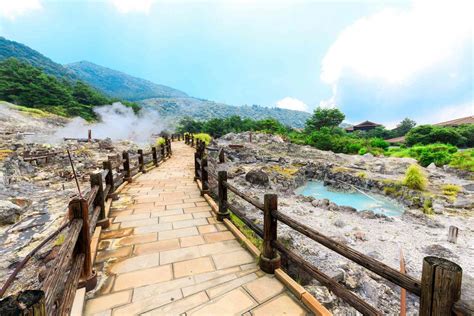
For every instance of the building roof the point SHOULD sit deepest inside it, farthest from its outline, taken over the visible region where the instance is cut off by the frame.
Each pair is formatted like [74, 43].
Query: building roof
[459, 121]
[367, 123]
[400, 139]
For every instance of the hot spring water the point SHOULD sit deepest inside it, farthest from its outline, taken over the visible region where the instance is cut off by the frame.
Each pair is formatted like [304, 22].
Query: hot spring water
[377, 204]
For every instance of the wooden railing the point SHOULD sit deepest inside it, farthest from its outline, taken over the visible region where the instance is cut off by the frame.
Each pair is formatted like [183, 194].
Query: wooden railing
[73, 264]
[439, 289]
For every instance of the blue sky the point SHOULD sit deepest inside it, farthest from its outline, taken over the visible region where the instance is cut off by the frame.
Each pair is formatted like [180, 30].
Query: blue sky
[376, 60]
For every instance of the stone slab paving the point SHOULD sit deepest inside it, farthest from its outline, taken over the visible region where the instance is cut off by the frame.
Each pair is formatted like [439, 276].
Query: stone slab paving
[165, 254]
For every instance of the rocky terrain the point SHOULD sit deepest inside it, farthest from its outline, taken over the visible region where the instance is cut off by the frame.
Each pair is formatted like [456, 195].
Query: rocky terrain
[34, 194]
[269, 164]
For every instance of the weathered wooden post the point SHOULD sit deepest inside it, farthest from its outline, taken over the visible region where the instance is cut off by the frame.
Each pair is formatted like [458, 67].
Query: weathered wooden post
[89, 136]
[109, 178]
[155, 156]
[222, 196]
[179, 137]
[453, 234]
[126, 166]
[170, 152]
[162, 151]
[78, 208]
[440, 286]
[204, 177]
[196, 166]
[269, 258]
[221, 155]
[96, 180]
[141, 161]
[192, 140]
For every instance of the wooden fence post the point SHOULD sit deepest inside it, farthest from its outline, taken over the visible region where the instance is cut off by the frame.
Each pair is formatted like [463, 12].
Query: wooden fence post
[269, 258]
[155, 156]
[169, 148]
[78, 208]
[109, 178]
[162, 151]
[222, 196]
[196, 166]
[204, 177]
[192, 140]
[221, 155]
[96, 179]
[141, 161]
[126, 166]
[453, 234]
[440, 286]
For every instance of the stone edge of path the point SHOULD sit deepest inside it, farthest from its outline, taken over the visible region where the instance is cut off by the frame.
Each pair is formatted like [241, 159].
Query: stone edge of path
[300, 293]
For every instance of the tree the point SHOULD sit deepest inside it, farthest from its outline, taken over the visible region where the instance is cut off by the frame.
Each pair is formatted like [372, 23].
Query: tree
[403, 127]
[324, 118]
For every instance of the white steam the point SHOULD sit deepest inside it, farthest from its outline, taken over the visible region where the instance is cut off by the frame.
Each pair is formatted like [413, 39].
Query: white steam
[117, 122]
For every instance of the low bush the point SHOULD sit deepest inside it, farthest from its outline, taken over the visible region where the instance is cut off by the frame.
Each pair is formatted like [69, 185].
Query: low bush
[451, 190]
[415, 178]
[206, 138]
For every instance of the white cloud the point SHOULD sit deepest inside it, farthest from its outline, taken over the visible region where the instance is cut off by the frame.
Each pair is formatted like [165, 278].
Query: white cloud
[128, 6]
[11, 9]
[447, 113]
[292, 104]
[394, 45]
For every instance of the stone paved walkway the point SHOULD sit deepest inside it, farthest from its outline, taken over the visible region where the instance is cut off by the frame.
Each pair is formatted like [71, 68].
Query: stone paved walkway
[165, 254]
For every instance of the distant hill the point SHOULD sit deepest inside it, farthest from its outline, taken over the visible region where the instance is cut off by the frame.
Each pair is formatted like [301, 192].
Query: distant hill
[171, 103]
[176, 108]
[120, 85]
[23, 53]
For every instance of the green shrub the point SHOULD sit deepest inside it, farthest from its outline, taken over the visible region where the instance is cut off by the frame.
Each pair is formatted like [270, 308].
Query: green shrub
[206, 138]
[160, 141]
[463, 160]
[414, 178]
[379, 143]
[362, 151]
[362, 175]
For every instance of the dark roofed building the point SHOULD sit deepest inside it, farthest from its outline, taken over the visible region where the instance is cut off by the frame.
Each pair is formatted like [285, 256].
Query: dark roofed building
[364, 126]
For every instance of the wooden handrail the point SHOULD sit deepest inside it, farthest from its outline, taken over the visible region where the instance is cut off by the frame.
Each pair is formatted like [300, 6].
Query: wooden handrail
[407, 282]
[74, 257]
[247, 198]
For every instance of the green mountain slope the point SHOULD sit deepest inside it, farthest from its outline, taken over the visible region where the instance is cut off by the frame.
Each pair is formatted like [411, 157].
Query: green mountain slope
[120, 85]
[177, 108]
[9, 49]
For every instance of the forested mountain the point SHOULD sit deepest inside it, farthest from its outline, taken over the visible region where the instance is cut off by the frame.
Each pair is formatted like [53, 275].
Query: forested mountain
[203, 110]
[120, 85]
[24, 53]
[23, 84]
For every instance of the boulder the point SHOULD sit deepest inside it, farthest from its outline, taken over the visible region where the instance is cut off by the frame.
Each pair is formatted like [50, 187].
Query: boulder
[9, 212]
[257, 177]
[431, 166]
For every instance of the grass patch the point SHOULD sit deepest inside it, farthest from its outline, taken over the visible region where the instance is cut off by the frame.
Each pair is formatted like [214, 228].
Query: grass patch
[287, 172]
[428, 207]
[31, 111]
[415, 178]
[248, 232]
[362, 175]
[451, 190]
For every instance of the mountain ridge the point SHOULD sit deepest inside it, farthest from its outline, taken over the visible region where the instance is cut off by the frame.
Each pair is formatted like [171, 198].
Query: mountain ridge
[119, 84]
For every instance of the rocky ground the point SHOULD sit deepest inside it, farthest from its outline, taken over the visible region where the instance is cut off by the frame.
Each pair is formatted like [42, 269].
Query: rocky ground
[34, 195]
[269, 164]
